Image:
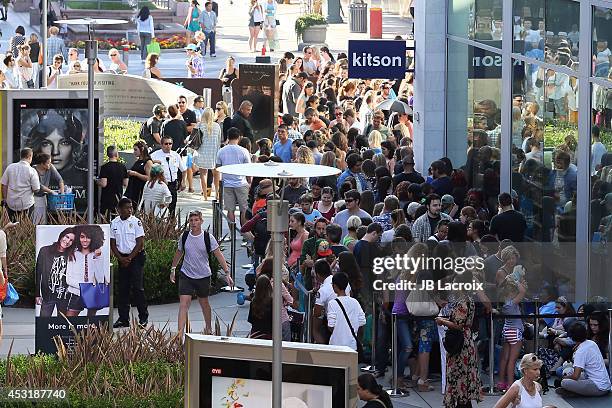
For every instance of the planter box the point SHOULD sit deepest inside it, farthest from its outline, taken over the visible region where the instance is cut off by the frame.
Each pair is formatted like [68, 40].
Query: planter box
[315, 34]
[182, 8]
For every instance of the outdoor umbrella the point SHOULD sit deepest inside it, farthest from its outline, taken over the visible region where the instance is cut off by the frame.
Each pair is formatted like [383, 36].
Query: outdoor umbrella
[395, 105]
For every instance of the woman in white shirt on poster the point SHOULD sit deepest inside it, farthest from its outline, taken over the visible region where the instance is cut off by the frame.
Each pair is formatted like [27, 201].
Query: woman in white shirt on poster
[85, 265]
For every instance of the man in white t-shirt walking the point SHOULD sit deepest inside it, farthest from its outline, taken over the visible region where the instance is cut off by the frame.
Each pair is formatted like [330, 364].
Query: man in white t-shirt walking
[194, 247]
[235, 188]
[344, 331]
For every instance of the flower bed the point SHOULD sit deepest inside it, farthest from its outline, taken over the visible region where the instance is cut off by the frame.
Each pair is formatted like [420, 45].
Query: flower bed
[166, 43]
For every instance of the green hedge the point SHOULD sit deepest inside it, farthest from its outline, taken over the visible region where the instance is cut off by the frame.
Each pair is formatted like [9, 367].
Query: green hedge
[122, 133]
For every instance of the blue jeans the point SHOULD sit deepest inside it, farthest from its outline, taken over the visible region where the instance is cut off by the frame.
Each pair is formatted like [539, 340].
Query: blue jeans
[145, 39]
[209, 38]
[404, 343]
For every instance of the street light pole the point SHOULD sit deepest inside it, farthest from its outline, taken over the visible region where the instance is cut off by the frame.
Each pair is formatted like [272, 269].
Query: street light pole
[45, 34]
[91, 53]
[278, 218]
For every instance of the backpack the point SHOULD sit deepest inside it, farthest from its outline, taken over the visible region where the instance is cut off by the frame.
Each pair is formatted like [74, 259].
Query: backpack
[145, 134]
[206, 241]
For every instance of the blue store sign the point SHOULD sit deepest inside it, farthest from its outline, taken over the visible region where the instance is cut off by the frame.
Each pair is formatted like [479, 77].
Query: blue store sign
[377, 59]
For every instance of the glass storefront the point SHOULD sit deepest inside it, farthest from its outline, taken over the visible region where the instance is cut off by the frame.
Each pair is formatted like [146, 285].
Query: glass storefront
[539, 129]
[474, 125]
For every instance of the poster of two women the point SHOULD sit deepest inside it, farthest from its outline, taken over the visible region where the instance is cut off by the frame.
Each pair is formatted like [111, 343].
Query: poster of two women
[73, 279]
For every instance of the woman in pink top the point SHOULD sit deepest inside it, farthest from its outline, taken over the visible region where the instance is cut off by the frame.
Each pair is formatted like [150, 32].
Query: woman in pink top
[296, 223]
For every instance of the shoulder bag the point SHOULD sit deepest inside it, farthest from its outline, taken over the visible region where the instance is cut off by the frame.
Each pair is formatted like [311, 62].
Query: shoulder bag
[95, 295]
[419, 303]
[360, 354]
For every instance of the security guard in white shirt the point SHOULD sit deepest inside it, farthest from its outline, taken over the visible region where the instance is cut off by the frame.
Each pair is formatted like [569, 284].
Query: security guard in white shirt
[171, 163]
[127, 244]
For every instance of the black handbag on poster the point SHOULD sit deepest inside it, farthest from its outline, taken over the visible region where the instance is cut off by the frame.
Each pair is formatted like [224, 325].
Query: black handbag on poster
[360, 354]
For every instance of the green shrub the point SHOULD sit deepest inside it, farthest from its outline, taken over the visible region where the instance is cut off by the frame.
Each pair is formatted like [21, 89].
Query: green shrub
[122, 133]
[555, 131]
[306, 21]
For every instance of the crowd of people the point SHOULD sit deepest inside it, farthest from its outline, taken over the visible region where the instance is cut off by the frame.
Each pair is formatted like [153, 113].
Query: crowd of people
[378, 205]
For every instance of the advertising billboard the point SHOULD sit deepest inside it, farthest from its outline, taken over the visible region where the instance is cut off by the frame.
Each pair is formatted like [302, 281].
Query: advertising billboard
[73, 281]
[58, 127]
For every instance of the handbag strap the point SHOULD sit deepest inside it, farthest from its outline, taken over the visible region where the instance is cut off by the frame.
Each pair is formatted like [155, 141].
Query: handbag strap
[381, 403]
[347, 319]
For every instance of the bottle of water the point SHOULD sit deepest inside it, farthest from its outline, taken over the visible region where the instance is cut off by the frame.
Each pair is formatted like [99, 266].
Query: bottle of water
[67, 190]
[299, 284]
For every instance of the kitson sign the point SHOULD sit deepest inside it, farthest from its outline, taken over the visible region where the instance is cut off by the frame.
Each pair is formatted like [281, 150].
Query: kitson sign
[377, 59]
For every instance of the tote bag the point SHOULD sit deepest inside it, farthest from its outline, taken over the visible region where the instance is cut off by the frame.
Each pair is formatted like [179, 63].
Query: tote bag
[95, 295]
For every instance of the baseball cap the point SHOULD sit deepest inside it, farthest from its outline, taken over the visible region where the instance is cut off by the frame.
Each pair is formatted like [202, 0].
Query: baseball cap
[265, 187]
[447, 199]
[412, 208]
[191, 47]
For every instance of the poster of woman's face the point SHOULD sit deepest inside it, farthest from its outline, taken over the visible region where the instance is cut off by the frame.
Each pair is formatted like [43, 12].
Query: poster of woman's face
[62, 134]
[72, 270]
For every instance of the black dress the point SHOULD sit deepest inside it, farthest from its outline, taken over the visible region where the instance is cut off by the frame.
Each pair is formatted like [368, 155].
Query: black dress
[136, 185]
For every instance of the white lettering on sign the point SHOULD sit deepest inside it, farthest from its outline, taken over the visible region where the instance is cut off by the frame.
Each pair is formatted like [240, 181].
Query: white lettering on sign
[489, 61]
[368, 60]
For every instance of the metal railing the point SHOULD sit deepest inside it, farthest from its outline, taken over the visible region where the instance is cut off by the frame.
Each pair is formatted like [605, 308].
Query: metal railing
[217, 231]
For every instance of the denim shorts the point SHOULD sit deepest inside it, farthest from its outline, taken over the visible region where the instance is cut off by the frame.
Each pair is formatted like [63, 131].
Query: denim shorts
[425, 335]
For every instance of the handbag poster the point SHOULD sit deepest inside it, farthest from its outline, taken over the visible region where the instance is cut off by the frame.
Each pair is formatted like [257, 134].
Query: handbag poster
[73, 281]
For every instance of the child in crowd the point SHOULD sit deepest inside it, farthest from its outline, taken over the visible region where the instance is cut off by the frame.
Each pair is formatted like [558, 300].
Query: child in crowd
[512, 293]
[310, 214]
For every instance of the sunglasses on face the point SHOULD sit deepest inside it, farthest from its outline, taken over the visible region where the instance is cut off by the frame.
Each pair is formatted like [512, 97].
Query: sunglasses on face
[349, 200]
[114, 55]
[167, 143]
[181, 103]
[218, 108]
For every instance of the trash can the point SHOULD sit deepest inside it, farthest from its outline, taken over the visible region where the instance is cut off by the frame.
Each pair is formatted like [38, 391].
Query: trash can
[358, 17]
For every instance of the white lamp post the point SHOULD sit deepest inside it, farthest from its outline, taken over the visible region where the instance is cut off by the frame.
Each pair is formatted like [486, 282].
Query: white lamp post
[278, 215]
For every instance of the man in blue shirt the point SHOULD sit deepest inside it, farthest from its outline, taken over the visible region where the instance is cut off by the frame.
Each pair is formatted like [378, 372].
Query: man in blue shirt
[208, 22]
[441, 183]
[282, 148]
[353, 169]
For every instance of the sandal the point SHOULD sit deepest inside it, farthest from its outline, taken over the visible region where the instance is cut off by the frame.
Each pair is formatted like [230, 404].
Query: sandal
[423, 386]
[501, 386]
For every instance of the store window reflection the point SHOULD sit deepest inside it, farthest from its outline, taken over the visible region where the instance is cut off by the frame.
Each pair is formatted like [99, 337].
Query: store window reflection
[601, 197]
[474, 135]
[548, 30]
[544, 164]
[483, 18]
[602, 40]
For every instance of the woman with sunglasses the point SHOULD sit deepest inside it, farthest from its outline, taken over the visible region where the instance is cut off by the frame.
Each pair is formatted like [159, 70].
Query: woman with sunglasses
[12, 80]
[525, 393]
[54, 70]
[116, 65]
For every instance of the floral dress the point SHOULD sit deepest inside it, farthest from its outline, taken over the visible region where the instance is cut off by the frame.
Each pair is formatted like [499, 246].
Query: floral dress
[462, 381]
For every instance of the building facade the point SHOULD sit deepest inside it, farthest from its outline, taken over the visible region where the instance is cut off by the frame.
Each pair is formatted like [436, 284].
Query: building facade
[518, 94]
